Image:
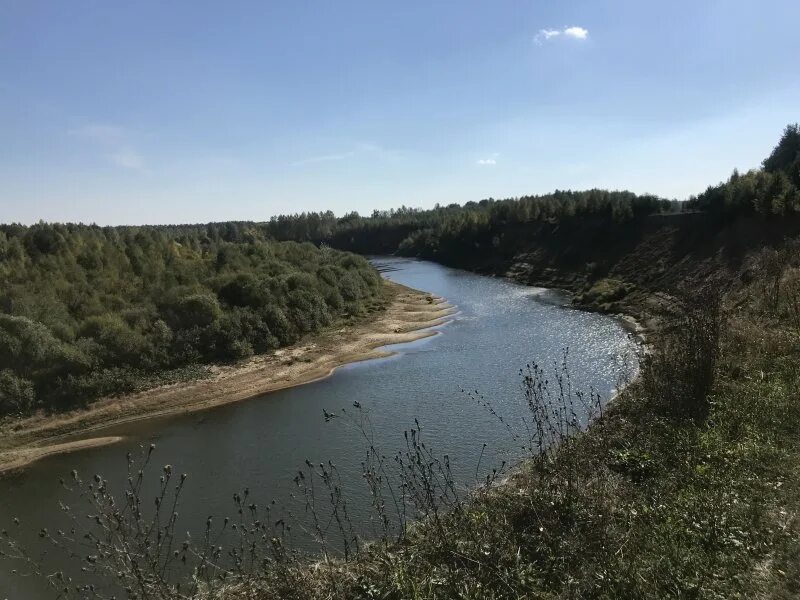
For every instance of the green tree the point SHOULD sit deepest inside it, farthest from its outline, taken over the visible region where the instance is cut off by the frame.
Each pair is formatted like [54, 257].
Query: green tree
[785, 157]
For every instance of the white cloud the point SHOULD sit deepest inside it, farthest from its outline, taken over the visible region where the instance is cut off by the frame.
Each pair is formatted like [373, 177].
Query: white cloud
[113, 142]
[489, 160]
[579, 33]
[576, 33]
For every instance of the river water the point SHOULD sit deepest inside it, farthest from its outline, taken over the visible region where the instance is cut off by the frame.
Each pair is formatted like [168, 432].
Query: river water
[500, 327]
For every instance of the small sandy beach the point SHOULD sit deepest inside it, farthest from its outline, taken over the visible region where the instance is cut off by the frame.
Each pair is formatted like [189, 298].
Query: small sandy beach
[408, 317]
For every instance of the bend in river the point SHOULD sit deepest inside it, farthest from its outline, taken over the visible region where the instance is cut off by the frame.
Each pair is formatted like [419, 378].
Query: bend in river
[500, 327]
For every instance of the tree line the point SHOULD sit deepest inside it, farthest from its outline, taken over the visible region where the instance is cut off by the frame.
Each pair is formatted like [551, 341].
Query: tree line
[772, 191]
[442, 229]
[450, 233]
[88, 311]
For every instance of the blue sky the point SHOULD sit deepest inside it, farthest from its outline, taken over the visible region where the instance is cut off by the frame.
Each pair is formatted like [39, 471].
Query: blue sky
[164, 112]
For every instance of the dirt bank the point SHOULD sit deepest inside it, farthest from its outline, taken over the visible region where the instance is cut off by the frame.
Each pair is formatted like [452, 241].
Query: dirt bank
[408, 315]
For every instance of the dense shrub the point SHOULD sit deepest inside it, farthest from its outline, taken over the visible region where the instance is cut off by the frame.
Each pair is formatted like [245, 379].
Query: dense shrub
[678, 372]
[88, 311]
[16, 394]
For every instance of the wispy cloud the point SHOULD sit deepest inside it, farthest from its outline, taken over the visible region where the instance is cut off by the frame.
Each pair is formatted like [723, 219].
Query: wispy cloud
[574, 32]
[127, 158]
[489, 160]
[114, 144]
[361, 149]
[323, 158]
[546, 34]
[99, 132]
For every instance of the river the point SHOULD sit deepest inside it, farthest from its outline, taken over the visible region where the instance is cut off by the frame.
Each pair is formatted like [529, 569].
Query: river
[500, 327]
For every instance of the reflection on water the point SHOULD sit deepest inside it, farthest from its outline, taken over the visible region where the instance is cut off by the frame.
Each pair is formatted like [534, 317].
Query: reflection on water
[500, 327]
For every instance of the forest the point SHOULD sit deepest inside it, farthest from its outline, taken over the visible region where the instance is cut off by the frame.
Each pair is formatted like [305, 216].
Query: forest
[88, 311]
[417, 232]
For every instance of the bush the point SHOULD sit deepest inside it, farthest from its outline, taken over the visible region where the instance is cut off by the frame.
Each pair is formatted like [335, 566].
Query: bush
[118, 344]
[196, 310]
[606, 290]
[16, 394]
[678, 371]
[25, 345]
[244, 290]
[279, 325]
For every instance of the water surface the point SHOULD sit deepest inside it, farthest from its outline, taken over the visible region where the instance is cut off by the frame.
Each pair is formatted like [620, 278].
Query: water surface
[500, 327]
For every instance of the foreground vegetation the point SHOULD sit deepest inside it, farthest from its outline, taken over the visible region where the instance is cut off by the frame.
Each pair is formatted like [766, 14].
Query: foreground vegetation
[87, 311]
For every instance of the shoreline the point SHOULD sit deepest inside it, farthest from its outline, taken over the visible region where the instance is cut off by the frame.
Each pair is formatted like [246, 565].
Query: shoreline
[410, 316]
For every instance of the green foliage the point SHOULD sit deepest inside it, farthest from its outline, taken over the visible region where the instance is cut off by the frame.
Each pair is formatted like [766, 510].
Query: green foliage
[194, 310]
[760, 193]
[88, 311]
[446, 231]
[602, 293]
[116, 342]
[16, 394]
[786, 155]
[25, 345]
[773, 191]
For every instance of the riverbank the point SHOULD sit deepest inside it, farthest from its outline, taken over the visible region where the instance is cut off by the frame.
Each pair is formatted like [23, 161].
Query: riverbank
[408, 316]
[659, 498]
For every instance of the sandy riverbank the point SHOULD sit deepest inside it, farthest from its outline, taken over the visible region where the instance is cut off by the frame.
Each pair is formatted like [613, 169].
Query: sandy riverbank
[409, 314]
